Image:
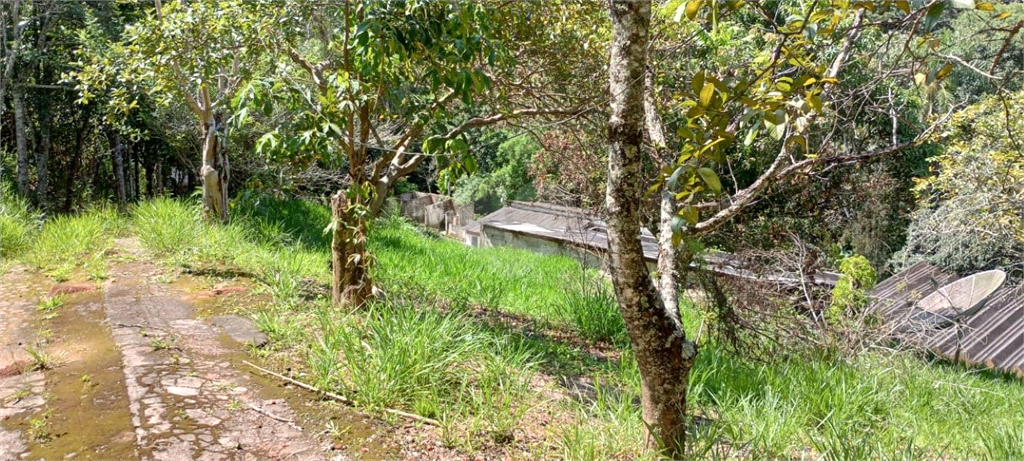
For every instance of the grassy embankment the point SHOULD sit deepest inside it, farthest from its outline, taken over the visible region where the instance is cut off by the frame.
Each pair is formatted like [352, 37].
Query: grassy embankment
[484, 340]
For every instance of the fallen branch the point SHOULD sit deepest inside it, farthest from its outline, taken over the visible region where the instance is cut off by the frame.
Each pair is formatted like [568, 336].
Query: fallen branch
[274, 417]
[342, 398]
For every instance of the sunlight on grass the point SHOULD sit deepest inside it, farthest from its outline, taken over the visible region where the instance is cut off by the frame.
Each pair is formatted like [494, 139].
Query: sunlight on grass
[70, 241]
[427, 349]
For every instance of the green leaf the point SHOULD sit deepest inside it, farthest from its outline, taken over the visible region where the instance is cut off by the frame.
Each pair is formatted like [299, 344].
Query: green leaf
[698, 82]
[710, 178]
[689, 213]
[469, 164]
[458, 146]
[677, 224]
[751, 136]
[933, 15]
[433, 145]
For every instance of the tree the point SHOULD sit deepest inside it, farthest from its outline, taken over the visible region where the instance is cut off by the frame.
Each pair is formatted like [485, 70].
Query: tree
[198, 53]
[376, 88]
[790, 90]
[970, 215]
[663, 352]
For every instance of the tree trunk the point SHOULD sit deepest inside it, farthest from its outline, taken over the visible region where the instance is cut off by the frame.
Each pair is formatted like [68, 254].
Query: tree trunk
[148, 167]
[43, 153]
[76, 160]
[351, 283]
[668, 254]
[21, 137]
[119, 168]
[663, 354]
[215, 171]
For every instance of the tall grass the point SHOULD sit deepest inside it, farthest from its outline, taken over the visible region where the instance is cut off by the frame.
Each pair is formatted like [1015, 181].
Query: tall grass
[436, 364]
[416, 350]
[70, 241]
[17, 222]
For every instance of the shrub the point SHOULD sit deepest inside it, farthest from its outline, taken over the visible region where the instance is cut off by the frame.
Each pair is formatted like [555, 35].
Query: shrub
[850, 293]
[970, 216]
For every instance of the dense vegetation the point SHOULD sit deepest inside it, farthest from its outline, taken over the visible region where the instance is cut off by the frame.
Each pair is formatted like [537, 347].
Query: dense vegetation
[266, 138]
[485, 344]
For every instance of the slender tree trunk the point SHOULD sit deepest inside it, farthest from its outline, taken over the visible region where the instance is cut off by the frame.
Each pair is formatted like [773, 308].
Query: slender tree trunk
[135, 172]
[119, 168]
[21, 137]
[43, 153]
[668, 254]
[351, 283]
[663, 354]
[76, 160]
[148, 167]
[215, 172]
[160, 178]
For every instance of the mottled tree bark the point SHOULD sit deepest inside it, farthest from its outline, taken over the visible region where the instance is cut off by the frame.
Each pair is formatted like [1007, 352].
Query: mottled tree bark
[215, 171]
[668, 253]
[350, 281]
[21, 136]
[663, 354]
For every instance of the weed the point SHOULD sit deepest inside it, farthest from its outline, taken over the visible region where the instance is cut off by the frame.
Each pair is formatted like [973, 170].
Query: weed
[234, 404]
[17, 222]
[42, 360]
[51, 303]
[39, 427]
[61, 273]
[20, 395]
[336, 432]
[163, 342]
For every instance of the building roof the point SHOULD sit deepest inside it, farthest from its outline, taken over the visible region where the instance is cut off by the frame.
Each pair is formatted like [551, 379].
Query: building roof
[560, 223]
[580, 228]
[993, 336]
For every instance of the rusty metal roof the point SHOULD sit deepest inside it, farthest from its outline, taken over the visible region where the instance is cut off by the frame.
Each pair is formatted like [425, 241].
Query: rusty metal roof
[993, 336]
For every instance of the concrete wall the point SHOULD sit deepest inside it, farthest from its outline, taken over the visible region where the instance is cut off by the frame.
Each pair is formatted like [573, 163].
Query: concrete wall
[435, 211]
[492, 236]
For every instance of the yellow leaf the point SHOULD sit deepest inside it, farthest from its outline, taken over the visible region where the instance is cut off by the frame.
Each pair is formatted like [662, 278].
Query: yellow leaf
[706, 94]
[985, 6]
[692, 8]
[904, 6]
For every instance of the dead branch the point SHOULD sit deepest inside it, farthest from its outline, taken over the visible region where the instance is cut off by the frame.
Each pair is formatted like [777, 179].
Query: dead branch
[341, 398]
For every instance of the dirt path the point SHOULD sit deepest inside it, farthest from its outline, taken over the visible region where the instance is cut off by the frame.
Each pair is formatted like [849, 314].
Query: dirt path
[134, 374]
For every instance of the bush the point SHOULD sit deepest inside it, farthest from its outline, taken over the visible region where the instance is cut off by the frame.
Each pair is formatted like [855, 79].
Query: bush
[850, 293]
[970, 216]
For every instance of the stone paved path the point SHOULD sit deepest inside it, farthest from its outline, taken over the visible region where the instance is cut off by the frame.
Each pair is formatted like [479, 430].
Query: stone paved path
[135, 349]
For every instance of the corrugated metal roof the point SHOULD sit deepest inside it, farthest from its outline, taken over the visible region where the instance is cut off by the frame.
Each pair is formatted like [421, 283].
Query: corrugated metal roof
[993, 336]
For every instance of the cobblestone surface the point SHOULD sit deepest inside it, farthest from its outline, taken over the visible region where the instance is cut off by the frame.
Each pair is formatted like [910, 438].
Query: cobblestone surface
[185, 397]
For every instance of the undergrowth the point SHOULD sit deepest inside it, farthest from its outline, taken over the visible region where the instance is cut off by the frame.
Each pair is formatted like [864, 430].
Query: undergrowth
[491, 342]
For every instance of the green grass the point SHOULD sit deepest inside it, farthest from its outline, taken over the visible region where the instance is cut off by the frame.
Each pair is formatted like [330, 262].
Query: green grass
[71, 241]
[17, 223]
[427, 348]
